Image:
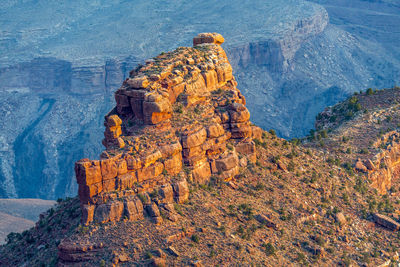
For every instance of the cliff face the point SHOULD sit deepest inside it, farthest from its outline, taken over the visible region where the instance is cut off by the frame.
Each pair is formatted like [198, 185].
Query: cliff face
[277, 54]
[179, 117]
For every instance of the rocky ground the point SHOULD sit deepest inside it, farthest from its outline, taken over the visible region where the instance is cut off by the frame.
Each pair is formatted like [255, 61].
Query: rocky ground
[290, 207]
[301, 203]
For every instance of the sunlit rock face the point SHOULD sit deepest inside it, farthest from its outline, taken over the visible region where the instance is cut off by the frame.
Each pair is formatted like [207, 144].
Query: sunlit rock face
[60, 65]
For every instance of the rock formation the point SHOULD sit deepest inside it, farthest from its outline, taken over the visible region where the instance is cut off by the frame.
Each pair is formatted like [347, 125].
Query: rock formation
[179, 118]
[385, 166]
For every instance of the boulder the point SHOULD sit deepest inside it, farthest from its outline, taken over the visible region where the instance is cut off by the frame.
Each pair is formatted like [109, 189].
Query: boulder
[267, 221]
[173, 165]
[256, 132]
[208, 38]
[150, 158]
[113, 121]
[201, 173]
[181, 191]
[138, 82]
[133, 209]
[193, 151]
[340, 218]
[153, 210]
[282, 166]
[239, 116]
[166, 194]
[227, 162]
[229, 174]
[246, 147]
[240, 130]
[359, 166]
[88, 172]
[386, 222]
[109, 212]
[170, 149]
[192, 139]
[110, 143]
[215, 130]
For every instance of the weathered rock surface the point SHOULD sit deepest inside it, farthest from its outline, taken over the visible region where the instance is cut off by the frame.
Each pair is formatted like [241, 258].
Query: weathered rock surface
[178, 118]
[387, 222]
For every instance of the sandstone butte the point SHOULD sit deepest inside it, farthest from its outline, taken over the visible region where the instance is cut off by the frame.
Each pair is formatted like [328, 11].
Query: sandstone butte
[178, 118]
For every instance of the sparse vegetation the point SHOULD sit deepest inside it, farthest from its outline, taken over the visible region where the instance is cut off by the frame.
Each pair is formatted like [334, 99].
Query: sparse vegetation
[302, 200]
[269, 249]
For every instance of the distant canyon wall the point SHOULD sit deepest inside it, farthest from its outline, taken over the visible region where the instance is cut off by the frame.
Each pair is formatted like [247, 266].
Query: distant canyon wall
[277, 54]
[51, 75]
[53, 115]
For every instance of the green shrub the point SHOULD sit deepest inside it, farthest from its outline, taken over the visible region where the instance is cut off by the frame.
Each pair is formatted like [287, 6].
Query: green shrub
[195, 238]
[291, 166]
[269, 249]
[272, 132]
[301, 257]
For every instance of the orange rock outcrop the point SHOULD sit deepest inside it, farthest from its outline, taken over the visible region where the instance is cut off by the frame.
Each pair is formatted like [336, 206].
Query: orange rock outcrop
[179, 118]
[385, 166]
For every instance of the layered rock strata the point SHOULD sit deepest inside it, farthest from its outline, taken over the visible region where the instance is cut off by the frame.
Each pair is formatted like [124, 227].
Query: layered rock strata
[179, 118]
